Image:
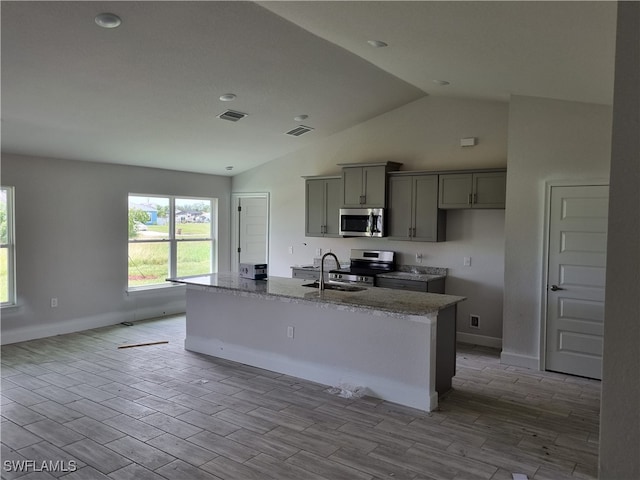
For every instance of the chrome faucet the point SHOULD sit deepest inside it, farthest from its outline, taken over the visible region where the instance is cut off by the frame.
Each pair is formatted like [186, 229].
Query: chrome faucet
[321, 283]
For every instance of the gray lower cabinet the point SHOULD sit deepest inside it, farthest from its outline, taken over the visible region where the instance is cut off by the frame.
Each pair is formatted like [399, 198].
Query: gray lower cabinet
[305, 273]
[433, 286]
[322, 209]
[472, 190]
[413, 209]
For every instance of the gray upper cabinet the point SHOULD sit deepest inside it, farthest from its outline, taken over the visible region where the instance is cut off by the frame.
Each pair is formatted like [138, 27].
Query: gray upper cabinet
[413, 209]
[365, 185]
[323, 200]
[472, 190]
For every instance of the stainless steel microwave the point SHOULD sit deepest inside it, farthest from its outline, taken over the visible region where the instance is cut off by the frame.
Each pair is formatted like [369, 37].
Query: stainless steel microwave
[362, 222]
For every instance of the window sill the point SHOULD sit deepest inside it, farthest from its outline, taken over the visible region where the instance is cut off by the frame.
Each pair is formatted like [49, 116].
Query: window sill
[9, 306]
[153, 289]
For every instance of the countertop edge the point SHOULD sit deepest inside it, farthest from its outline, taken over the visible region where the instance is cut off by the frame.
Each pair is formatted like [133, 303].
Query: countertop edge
[354, 301]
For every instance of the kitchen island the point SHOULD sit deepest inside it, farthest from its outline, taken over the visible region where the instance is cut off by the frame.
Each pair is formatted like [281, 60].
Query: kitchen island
[399, 345]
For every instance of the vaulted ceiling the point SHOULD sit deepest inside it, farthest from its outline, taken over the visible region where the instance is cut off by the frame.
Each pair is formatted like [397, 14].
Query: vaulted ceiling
[147, 92]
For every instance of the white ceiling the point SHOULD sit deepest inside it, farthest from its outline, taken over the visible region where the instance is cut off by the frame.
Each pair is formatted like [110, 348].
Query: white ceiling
[146, 93]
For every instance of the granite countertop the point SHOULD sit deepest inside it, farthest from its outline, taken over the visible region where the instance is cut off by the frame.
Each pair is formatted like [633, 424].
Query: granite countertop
[386, 300]
[417, 273]
[317, 267]
[420, 277]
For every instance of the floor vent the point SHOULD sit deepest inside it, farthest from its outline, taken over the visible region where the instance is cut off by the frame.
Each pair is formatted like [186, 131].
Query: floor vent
[232, 115]
[299, 130]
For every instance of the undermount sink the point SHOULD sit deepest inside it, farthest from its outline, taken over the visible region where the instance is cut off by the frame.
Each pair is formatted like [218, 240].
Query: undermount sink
[336, 286]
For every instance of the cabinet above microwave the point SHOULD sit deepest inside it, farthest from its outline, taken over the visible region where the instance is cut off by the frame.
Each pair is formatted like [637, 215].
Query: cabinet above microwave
[364, 185]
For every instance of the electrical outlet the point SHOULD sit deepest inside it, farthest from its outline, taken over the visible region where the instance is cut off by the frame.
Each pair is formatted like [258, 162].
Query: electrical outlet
[419, 257]
[290, 331]
[291, 250]
[54, 302]
[466, 261]
[318, 252]
[474, 321]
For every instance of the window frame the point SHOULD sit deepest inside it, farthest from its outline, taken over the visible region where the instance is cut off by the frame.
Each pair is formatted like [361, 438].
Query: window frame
[11, 248]
[172, 239]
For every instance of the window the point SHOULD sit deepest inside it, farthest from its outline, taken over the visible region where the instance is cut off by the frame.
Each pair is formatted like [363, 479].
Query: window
[7, 248]
[170, 237]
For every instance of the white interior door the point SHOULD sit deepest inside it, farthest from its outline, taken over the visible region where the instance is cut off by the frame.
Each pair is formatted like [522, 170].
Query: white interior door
[576, 279]
[251, 229]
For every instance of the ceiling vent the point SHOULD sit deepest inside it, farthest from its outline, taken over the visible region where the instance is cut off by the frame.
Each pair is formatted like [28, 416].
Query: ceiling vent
[232, 115]
[299, 130]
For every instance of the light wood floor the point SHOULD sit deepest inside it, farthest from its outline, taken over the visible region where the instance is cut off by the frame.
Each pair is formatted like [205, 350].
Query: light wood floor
[159, 412]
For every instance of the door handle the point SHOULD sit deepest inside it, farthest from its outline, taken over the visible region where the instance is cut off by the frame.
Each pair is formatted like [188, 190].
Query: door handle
[555, 288]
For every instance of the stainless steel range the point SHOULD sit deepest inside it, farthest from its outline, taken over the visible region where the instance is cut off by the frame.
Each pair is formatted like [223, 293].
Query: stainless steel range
[363, 267]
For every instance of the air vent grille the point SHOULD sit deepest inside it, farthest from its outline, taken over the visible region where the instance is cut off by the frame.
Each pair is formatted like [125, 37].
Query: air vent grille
[299, 130]
[232, 115]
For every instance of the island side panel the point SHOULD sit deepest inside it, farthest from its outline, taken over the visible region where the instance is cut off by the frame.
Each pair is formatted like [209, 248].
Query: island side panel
[393, 356]
[446, 349]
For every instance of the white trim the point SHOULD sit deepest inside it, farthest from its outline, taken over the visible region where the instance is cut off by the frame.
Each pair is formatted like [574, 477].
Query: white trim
[152, 289]
[475, 339]
[33, 332]
[518, 360]
[549, 185]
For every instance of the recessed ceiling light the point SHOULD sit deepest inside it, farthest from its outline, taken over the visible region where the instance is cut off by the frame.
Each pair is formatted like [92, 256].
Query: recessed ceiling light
[108, 20]
[441, 82]
[229, 167]
[227, 97]
[300, 118]
[377, 43]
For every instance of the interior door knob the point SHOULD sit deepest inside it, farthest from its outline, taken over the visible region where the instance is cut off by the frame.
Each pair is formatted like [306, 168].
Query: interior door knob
[555, 288]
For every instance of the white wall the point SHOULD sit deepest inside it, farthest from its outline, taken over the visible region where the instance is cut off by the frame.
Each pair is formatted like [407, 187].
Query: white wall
[423, 135]
[620, 415]
[548, 140]
[71, 232]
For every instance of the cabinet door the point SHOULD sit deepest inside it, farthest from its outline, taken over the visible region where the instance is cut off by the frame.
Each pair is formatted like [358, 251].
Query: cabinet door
[400, 211]
[489, 190]
[315, 208]
[352, 186]
[455, 190]
[401, 284]
[305, 274]
[333, 201]
[375, 186]
[425, 201]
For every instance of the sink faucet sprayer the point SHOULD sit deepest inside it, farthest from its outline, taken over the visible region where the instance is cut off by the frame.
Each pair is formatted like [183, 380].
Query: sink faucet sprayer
[321, 283]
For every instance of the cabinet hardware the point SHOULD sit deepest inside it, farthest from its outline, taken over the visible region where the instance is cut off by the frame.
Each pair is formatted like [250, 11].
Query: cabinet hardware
[414, 231]
[470, 199]
[409, 232]
[475, 198]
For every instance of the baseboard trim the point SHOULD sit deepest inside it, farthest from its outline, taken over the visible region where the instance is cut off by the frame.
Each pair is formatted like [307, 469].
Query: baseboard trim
[34, 332]
[482, 340]
[518, 360]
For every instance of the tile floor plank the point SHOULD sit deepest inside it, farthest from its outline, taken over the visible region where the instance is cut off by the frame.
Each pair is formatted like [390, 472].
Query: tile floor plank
[166, 413]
